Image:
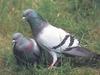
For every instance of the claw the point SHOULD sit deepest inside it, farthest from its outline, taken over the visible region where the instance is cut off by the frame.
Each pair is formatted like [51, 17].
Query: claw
[51, 67]
[54, 60]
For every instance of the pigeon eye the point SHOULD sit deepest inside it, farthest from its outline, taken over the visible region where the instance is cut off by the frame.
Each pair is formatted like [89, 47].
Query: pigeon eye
[13, 38]
[16, 38]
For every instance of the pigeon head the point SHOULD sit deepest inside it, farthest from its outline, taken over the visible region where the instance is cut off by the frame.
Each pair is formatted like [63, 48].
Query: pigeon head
[29, 13]
[32, 16]
[17, 37]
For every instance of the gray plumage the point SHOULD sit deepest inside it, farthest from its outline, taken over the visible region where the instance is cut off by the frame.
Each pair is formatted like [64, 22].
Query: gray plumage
[54, 40]
[26, 50]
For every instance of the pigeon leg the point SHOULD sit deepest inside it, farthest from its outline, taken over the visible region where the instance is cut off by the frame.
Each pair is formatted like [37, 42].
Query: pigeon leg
[54, 55]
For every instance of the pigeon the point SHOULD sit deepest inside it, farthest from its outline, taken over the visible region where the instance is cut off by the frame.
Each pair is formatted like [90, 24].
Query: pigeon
[25, 50]
[53, 39]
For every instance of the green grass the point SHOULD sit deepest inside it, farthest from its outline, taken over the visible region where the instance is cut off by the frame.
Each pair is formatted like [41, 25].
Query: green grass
[79, 17]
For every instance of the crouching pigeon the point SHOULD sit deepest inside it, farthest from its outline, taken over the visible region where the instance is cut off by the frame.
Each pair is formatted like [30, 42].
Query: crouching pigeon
[26, 51]
[55, 40]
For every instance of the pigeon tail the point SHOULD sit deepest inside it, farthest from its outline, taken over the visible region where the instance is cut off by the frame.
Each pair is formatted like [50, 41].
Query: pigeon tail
[81, 52]
[89, 58]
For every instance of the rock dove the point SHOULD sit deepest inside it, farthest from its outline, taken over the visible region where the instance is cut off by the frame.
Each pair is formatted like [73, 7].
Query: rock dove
[53, 39]
[26, 50]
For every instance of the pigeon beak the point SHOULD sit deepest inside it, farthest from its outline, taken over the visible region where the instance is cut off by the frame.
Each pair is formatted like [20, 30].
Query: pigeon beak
[23, 18]
[13, 41]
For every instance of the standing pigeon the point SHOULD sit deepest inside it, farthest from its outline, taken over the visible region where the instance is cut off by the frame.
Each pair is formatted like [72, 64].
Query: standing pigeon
[26, 51]
[55, 40]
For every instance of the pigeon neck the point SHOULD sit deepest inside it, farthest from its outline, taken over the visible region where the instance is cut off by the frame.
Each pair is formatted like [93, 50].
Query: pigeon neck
[37, 25]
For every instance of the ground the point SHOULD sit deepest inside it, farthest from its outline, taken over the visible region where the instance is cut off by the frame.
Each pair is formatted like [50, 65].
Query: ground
[79, 17]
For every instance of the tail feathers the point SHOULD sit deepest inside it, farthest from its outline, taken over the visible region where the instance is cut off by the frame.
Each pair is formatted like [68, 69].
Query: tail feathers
[80, 51]
[89, 58]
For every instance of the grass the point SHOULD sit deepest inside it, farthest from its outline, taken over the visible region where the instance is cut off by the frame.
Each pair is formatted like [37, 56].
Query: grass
[79, 17]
